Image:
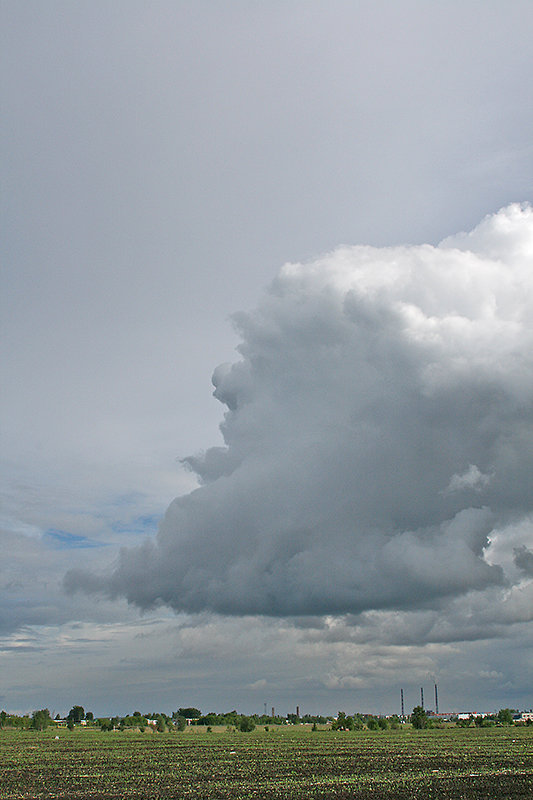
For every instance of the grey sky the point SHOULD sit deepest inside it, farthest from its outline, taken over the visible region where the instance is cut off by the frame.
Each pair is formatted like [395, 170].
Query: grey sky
[161, 162]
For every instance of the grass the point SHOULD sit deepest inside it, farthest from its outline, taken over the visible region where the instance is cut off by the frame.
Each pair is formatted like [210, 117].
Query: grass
[452, 764]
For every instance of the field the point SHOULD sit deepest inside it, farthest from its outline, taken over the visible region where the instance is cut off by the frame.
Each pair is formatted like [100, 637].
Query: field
[282, 763]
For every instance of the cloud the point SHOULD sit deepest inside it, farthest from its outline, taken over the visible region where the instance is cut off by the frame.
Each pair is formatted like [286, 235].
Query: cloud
[471, 479]
[259, 684]
[378, 436]
[523, 558]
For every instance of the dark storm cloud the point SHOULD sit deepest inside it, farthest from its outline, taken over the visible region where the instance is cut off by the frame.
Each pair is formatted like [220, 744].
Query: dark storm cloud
[378, 437]
[523, 558]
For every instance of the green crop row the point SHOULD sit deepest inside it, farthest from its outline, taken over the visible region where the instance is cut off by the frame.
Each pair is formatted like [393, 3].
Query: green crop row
[447, 764]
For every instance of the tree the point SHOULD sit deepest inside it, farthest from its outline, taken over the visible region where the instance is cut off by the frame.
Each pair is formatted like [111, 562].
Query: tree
[188, 713]
[76, 714]
[505, 716]
[40, 719]
[419, 718]
[342, 723]
[247, 725]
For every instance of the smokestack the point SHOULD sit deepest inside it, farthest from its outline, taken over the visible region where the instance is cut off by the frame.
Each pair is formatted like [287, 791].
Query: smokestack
[401, 695]
[436, 700]
[422, 697]
[297, 711]
[273, 711]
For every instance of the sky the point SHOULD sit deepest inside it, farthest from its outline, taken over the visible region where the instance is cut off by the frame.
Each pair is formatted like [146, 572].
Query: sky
[266, 355]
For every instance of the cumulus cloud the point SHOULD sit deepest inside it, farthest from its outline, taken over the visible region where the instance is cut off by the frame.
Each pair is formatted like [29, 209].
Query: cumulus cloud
[378, 438]
[471, 479]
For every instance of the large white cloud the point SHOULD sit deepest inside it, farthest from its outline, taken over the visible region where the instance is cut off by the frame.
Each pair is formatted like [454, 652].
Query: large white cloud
[378, 438]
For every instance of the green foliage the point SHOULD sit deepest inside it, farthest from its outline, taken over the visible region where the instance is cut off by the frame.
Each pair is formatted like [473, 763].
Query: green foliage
[41, 719]
[383, 723]
[342, 723]
[505, 716]
[314, 718]
[419, 718]
[246, 724]
[14, 721]
[231, 718]
[210, 719]
[188, 713]
[135, 721]
[76, 714]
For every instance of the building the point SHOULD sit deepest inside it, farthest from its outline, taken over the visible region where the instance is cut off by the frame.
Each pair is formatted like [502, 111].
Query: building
[523, 716]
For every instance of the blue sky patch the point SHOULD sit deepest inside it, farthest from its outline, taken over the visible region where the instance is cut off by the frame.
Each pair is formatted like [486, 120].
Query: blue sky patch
[144, 524]
[69, 541]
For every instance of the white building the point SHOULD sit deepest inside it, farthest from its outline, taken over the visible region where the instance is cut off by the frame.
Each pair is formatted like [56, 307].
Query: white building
[523, 716]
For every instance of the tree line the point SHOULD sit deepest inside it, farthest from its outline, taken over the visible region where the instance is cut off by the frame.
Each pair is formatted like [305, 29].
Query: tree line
[233, 720]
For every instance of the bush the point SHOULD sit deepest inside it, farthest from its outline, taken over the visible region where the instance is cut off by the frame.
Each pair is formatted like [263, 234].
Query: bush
[247, 725]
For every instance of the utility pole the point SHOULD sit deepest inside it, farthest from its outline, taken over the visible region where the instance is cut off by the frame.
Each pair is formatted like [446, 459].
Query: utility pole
[401, 695]
[422, 696]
